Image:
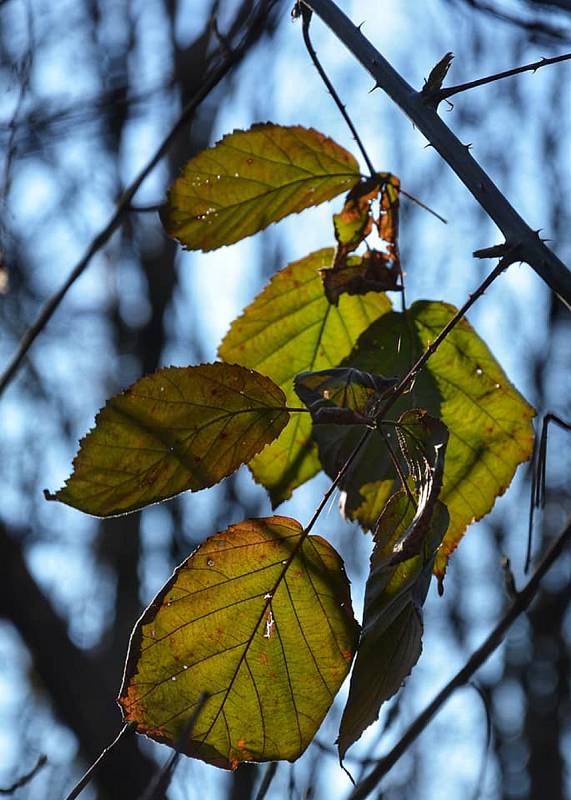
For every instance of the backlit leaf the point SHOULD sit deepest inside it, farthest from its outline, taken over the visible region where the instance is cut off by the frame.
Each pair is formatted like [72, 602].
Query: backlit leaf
[260, 619]
[391, 639]
[290, 328]
[342, 395]
[177, 429]
[253, 178]
[464, 386]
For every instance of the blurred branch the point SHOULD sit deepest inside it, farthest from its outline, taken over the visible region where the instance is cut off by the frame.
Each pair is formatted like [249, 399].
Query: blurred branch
[79, 687]
[25, 779]
[217, 73]
[517, 233]
[493, 641]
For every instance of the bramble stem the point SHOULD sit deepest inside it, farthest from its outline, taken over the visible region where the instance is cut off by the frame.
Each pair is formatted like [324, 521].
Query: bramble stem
[517, 233]
[444, 94]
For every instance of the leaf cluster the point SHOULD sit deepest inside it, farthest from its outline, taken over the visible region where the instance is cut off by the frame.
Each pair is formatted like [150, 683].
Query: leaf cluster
[253, 635]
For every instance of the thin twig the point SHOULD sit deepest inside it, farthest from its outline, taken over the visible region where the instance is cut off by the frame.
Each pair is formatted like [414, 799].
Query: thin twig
[306, 20]
[129, 727]
[485, 755]
[443, 94]
[515, 230]
[161, 782]
[493, 641]
[26, 778]
[124, 203]
[407, 380]
[269, 775]
[539, 465]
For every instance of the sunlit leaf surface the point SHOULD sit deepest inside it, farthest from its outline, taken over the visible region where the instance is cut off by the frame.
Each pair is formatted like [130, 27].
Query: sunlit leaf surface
[177, 429]
[488, 420]
[253, 178]
[261, 621]
[291, 328]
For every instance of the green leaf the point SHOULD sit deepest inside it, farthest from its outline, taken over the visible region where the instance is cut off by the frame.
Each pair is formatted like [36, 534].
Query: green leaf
[180, 428]
[464, 386]
[391, 639]
[259, 618]
[291, 328]
[253, 178]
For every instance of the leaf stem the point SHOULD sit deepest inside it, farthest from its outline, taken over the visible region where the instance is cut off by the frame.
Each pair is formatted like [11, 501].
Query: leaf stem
[335, 483]
[129, 727]
[478, 657]
[306, 14]
[445, 93]
[407, 380]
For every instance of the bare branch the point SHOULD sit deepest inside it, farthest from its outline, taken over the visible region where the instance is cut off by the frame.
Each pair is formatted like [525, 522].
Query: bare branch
[124, 204]
[493, 641]
[25, 779]
[517, 233]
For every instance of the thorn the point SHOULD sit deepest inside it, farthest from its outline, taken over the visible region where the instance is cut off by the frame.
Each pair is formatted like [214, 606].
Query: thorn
[495, 251]
[376, 86]
[467, 146]
[360, 25]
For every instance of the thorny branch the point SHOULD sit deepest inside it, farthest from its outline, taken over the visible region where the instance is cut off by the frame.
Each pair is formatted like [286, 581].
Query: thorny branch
[530, 247]
[443, 94]
[520, 603]
[217, 73]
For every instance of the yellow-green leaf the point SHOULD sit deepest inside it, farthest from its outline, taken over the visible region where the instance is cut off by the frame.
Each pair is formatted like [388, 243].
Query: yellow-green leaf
[253, 178]
[259, 618]
[291, 328]
[464, 386]
[177, 429]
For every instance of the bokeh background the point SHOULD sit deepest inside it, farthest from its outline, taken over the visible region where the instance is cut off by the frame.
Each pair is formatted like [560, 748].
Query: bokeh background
[89, 89]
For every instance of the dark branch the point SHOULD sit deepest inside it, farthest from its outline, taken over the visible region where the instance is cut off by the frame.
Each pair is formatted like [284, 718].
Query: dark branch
[306, 20]
[25, 779]
[217, 73]
[531, 248]
[90, 774]
[443, 94]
